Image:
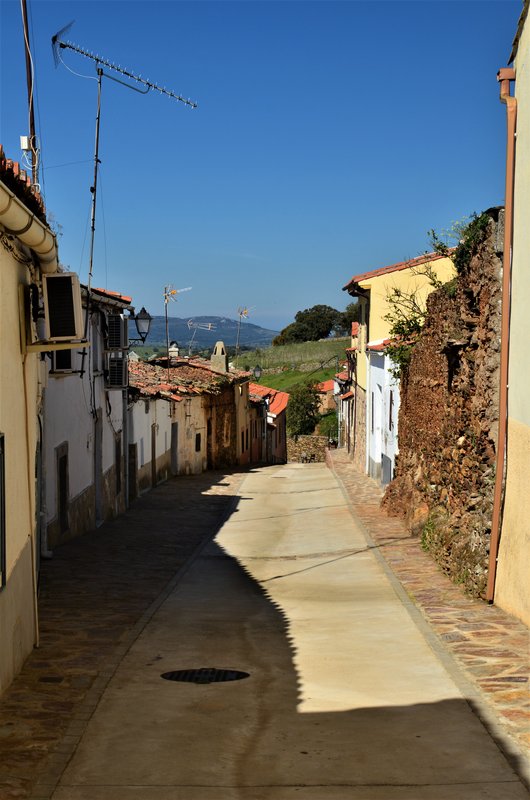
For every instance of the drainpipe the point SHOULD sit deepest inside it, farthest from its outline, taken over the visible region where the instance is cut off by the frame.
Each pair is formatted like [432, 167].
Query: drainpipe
[504, 76]
[22, 223]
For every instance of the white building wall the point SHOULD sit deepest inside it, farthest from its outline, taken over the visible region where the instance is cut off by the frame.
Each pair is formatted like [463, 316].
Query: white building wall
[376, 382]
[391, 401]
[71, 403]
[190, 417]
[382, 415]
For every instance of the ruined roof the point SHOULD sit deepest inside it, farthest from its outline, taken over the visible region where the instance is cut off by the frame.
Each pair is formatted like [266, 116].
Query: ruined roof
[232, 376]
[277, 401]
[413, 262]
[185, 380]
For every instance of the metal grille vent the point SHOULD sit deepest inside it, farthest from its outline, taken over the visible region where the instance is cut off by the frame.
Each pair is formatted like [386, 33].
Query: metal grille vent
[204, 675]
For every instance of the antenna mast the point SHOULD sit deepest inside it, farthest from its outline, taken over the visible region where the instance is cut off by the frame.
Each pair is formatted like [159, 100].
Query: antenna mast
[243, 312]
[59, 44]
[195, 326]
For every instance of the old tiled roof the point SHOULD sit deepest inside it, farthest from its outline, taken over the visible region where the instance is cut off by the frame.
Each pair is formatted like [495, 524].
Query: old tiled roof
[378, 345]
[185, 380]
[346, 396]
[114, 295]
[342, 376]
[413, 262]
[326, 386]
[19, 182]
[232, 376]
[277, 401]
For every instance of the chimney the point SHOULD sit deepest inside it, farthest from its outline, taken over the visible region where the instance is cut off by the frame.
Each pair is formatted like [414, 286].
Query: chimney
[219, 359]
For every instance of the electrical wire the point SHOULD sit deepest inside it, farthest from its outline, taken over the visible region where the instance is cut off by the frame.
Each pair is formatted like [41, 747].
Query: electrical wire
[34, 149]
[69, 164]
[79, 75]
[42, 187]
[84, 240]
[104, 226]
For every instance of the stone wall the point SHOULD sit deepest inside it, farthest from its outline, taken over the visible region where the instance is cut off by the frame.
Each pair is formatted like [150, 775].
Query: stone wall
[357, 444]
[448, 419]
[306, 448]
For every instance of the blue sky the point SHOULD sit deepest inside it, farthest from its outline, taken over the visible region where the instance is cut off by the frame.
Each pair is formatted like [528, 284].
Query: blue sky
[329, 138]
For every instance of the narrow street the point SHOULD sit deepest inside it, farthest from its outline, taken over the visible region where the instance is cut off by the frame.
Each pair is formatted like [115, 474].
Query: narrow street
[348, 695]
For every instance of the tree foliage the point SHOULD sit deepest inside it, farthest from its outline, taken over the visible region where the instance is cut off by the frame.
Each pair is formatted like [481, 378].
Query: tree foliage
[345, 319]
[302, 410]
[316, 323]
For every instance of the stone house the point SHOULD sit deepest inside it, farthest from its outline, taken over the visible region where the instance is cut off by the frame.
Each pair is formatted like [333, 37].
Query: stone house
[276, 410]
[327, 391]
[190, 418]
[372, 292]
[28, 256]
[84, 435]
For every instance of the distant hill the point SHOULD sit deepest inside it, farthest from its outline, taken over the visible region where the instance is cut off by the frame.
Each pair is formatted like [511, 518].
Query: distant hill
[225, 331]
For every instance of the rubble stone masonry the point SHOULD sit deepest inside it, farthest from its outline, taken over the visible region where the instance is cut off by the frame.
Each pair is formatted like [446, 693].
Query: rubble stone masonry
[449, 415]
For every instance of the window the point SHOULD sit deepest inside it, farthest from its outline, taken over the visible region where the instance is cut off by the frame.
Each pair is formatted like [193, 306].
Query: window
[391, 411]
[246, 440]
[372, 411]
[197, 442]
[242, 441]
[2, 515]
[62, 361]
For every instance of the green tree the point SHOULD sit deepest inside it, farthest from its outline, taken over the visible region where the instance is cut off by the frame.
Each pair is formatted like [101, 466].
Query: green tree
[302, 410]
[345, 319]
[309, 325]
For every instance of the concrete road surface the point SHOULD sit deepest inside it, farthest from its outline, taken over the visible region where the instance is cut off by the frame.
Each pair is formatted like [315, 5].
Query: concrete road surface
[345, 697]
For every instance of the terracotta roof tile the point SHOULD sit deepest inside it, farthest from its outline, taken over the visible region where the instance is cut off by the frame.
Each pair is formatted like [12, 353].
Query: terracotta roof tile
[277, 400]
[115, 295]
[326, 386]
[413, 262]
[184, 380]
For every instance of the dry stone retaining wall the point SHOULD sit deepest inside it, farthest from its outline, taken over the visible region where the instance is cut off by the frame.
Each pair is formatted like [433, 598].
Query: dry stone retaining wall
[306, 448]
[448, 420]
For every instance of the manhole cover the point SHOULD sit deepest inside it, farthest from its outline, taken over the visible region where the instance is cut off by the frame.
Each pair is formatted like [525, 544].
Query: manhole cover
[204, 675]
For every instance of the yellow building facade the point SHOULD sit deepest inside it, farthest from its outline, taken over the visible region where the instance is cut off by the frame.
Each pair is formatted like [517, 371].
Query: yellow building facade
[27, 249]
[512, 589]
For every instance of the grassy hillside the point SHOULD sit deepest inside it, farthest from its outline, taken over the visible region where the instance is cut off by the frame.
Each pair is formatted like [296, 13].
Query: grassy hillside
[324, 352]
[288, 378]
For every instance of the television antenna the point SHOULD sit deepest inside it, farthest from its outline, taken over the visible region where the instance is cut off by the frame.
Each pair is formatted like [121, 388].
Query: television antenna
[170, 296]
[58, 44]
[195, 326]
[243, 313]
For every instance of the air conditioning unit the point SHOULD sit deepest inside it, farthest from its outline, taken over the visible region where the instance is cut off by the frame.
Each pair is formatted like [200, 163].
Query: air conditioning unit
[116, 371]
[117, 332]
[63, 312]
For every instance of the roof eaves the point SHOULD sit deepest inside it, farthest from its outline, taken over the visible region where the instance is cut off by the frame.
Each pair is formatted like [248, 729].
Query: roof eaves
[519, 31]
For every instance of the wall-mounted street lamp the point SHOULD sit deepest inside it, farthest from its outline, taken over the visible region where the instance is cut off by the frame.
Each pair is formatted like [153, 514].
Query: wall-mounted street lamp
[257, 371]
[142, 321]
